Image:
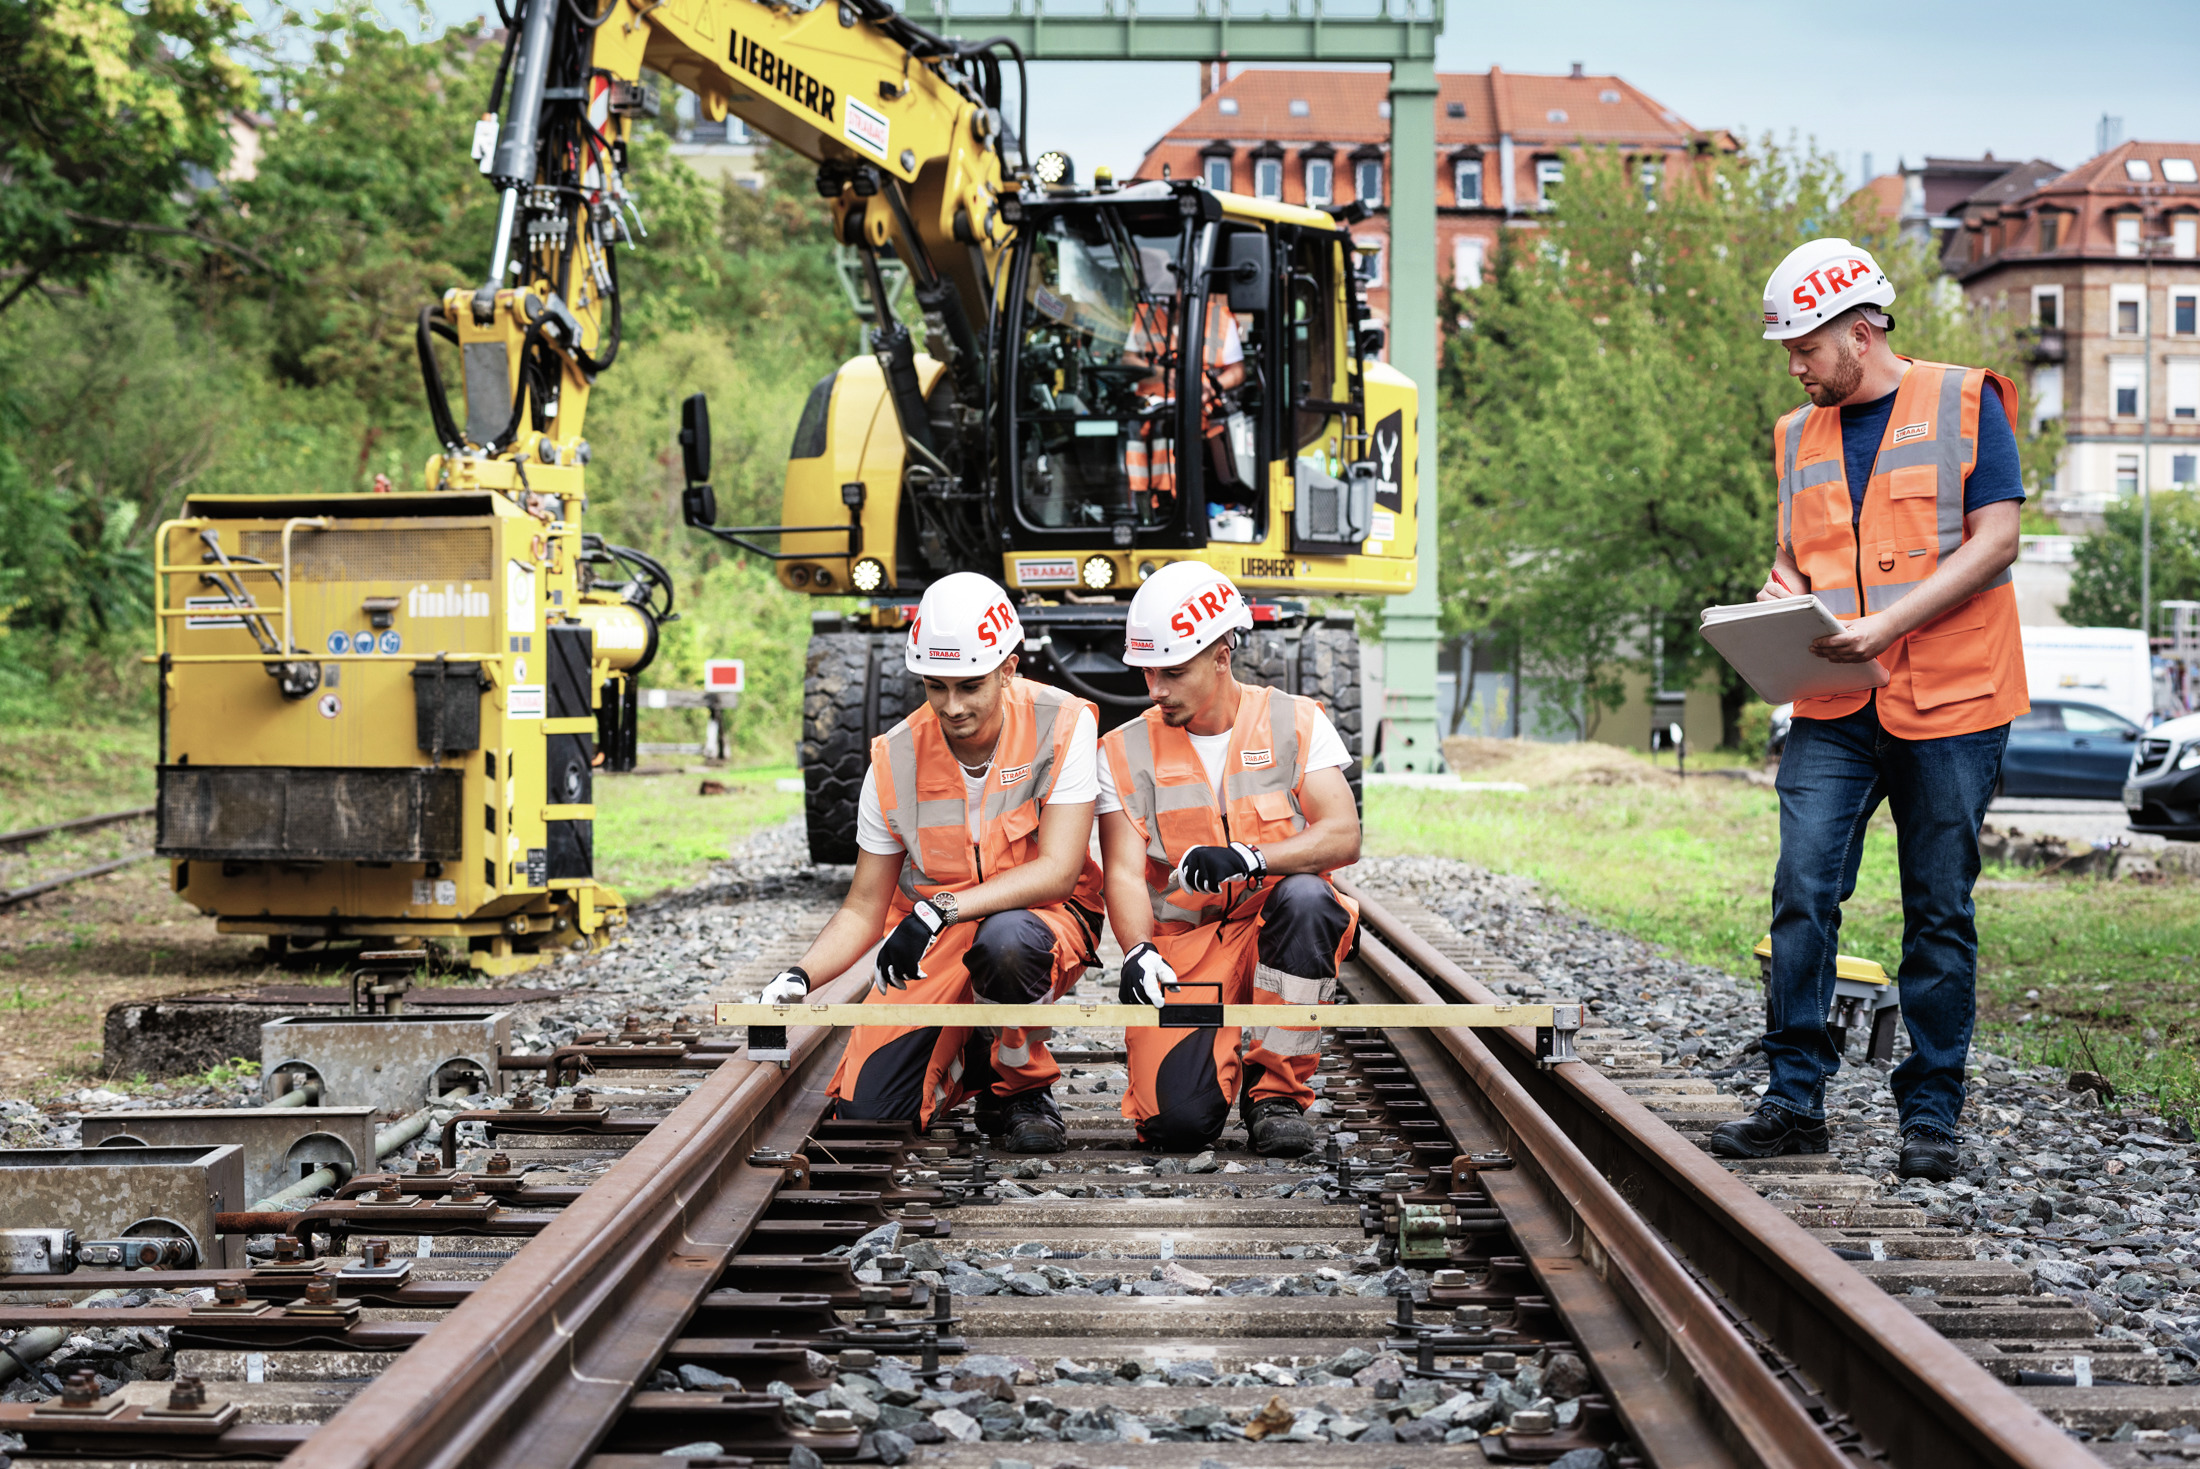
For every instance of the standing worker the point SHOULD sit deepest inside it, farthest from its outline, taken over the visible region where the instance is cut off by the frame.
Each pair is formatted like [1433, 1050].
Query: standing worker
[1221, 810]
[1899, 504]
[974, 830]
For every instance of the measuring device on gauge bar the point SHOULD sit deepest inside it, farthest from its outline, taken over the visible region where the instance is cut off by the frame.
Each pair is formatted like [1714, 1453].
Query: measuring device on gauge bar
[1555, 1025]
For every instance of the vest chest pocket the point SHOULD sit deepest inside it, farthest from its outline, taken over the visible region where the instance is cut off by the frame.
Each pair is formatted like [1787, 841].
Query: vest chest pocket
[1020, 821]
[1276, 810]
[1914, 482]
[1913, 505]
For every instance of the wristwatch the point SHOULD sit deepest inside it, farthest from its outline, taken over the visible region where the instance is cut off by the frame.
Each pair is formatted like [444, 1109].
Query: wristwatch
[944, 905]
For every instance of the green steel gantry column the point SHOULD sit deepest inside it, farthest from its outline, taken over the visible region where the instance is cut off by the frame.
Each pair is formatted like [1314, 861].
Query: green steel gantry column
[1410, 741]
[1400, 32]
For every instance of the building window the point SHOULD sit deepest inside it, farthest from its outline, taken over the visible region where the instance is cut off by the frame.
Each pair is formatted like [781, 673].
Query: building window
[2126, 375]
[2182, 469]
[1647, 175]
[2127, 474]
[1455, 109]
[1466, 262]
[2137, 171]
[1268, 178]
[2127, 234]
[1298, 107]
[2047, 307]
[1218, 174]
[2127, 310]
[2179, 171]
[2047, 393]
[2050, 232]
[1367, 262]
[1321, 181]
[2184, 236]
[2184, 313]
[1466, 182]
[1549, 174]
[2184, 390]
[1228, 106]
[1367, 181]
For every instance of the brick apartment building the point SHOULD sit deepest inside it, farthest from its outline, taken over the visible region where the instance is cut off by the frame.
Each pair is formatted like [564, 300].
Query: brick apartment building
[1323, 137]
[2103, 264]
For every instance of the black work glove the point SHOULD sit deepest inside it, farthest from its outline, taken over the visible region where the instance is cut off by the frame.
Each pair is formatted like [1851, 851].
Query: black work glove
[1206, 869]
[1146, 976]
[899, 956]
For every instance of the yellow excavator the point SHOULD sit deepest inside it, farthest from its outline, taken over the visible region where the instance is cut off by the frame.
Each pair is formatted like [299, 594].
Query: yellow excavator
[382, 714]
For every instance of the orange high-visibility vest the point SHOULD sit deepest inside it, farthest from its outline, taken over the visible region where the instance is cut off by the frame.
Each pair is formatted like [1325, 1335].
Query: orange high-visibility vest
[1165, 795]
[1963, 671]
[921, 795]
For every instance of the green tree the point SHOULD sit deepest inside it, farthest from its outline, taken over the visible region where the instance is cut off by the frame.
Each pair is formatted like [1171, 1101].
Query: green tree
[1608, 405]
[2104, 582]
[107, 112]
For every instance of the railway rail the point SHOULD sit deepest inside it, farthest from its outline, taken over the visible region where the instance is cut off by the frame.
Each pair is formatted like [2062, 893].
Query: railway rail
[692, 1262]
[13, 841]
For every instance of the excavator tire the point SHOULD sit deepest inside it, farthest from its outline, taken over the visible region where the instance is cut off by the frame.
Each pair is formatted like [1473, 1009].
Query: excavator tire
[854, 688]
[1321, 662]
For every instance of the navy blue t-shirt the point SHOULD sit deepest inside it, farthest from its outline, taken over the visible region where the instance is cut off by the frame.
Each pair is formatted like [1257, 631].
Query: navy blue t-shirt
[1994, 477]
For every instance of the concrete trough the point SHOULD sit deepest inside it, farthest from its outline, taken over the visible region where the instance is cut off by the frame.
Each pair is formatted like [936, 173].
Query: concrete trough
[109, 1193]
[395, 1064]
[281, 1144]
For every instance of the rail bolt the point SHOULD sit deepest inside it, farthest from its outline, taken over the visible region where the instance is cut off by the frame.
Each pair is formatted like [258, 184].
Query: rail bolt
[287, 1249]
[858, 1359]
[840, 1420]
[185, 1393]
[1449, 1278]
[1470, 1318]
[582, 1100]
[321, 1291]
[80, 1389]
[1527, 1423]
[462, 1189]
[1500, 1362]
[374, 1253]
[769, 1158]
[523, 1100]
[914, 1211]
[389, 1193]
[892, 1267]
[500, 1163]
[229, 1292]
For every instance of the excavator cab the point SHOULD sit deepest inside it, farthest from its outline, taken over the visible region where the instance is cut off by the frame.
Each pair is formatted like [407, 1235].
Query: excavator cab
[1170, 374]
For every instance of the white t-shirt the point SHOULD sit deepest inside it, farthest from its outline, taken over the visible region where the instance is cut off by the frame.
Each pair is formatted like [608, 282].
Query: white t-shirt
[1328, 753]
[1073, 783]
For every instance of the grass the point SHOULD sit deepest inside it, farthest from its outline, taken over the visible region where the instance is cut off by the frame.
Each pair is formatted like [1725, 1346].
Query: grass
[2073, 971]
[55, 774]
[654, 832]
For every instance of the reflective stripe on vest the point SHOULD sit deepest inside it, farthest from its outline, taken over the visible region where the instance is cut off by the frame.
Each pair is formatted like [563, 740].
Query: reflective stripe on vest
[923, 800]
[1164, 791]
[1912, 517]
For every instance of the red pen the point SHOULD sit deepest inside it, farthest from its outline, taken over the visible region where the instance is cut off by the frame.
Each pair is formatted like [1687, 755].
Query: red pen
[1783, 583]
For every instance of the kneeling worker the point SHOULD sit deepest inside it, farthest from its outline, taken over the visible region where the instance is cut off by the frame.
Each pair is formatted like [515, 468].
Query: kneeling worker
[1221, 809]
[974, 830]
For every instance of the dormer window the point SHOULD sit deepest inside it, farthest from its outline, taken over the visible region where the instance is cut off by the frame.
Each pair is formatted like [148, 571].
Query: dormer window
[2137, 171]
[1299, 107]
[1227, 107]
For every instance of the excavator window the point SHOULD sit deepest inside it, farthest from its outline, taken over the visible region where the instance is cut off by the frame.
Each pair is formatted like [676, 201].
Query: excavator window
[1098, 357]
[809, 429]
[1310, 337]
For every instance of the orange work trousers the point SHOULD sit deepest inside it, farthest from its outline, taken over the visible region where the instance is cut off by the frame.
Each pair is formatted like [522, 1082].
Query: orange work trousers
[1285, 952]
[910, 1073]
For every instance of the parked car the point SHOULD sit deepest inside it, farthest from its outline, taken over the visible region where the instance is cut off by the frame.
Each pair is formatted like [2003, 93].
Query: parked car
[2163, 791]
[2075, 751]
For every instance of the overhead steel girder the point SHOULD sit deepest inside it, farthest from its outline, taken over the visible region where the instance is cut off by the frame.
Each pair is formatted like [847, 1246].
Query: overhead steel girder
[1117, 30]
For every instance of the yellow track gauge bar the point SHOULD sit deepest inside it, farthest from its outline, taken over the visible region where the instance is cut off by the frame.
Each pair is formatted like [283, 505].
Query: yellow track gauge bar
[1423, 1017]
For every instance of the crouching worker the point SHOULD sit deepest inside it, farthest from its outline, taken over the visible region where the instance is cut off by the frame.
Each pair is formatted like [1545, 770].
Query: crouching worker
[974, 829]
[1221, 809]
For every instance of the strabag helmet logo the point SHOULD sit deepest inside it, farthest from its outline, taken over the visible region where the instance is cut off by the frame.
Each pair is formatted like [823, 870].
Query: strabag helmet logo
[1820, 280]
[1179, 610]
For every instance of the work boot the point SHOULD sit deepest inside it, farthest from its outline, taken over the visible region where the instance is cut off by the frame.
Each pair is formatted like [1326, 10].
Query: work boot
[1769, 1132]
[1927, 1155]
[1033, 1123]
[1276, 1128]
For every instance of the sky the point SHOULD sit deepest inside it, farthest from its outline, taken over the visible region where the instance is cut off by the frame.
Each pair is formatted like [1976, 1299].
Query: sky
[2021, 78]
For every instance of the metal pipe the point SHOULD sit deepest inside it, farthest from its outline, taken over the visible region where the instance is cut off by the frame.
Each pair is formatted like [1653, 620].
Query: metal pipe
[41, 1342]
[386, 1142]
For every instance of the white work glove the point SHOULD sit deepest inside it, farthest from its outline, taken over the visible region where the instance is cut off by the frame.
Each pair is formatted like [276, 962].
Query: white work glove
[1206, 869]
[904, 948]
[1146, 977]
[788, 987]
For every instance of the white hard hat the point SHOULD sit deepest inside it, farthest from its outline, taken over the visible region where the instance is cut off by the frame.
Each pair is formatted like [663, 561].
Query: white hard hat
[1181, 609]
[1819, 281]
[965, 626]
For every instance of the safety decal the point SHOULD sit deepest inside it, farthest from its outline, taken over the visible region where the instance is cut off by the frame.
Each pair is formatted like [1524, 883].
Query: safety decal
[1257, 759]
[524, 701]
[1014, 773]
[867, 129]
[1048, 572]
[1910, 431]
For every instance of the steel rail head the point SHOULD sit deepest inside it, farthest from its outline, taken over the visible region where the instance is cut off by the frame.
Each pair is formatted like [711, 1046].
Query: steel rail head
[1907, 1388]
[473, 1392]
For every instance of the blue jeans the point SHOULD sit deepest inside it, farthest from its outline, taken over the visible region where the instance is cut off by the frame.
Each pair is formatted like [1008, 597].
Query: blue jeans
[1833, 775]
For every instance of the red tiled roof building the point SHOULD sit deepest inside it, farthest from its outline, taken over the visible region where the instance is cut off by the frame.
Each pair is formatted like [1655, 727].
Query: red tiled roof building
[1320, 137]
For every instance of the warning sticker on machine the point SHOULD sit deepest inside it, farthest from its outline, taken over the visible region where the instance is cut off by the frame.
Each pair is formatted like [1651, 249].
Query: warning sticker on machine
[1384, 528]
[865, 128]
[197, 621]
[523, 701]
[1052, 572]
[434, 893]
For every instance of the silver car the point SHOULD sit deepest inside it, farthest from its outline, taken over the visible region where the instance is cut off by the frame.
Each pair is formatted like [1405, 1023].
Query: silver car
[2163, 790]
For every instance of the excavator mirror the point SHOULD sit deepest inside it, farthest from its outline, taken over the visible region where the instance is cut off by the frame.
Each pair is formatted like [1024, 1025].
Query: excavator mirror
[695, 440]
[699, 506]
[1371, 341]
[1247, 271]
